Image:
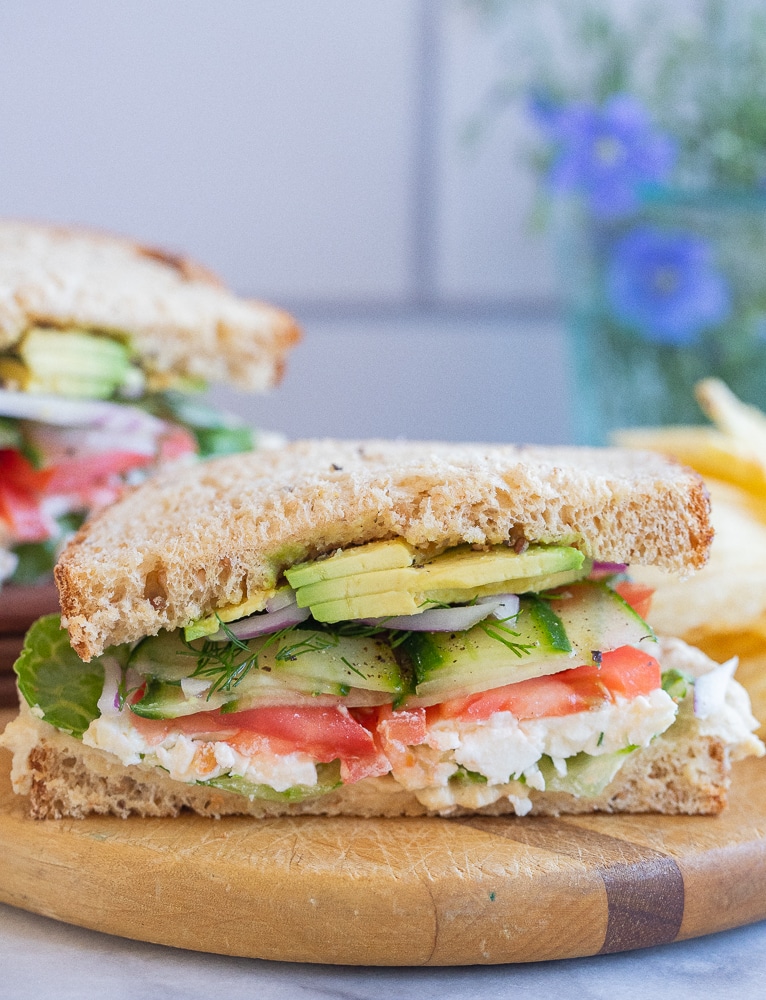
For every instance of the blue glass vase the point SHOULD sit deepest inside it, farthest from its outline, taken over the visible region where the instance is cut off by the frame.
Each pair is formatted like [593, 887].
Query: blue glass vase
[659, 299]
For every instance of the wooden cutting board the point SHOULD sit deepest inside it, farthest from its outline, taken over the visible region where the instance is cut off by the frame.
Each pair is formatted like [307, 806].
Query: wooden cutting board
[394, 892]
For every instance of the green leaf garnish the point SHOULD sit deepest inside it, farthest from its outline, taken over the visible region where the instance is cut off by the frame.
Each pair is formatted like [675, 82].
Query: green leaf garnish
[495, 629]
[52, 676]
[10, 434]
[676, 684]
[328, 779]
[465, 777]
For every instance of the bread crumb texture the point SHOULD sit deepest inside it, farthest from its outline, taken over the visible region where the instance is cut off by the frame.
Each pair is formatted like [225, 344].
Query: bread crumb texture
[221, 532]
[178, 317]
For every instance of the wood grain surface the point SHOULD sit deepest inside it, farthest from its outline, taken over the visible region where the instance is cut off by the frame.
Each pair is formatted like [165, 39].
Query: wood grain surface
[477, 890]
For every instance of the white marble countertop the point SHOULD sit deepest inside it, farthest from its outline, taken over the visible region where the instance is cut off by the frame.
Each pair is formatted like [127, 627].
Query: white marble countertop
[43, 959]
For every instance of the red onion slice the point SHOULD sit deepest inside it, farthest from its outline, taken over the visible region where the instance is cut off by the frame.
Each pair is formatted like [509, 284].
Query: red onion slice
[109, 702]
[262, 623]
[438, 619]
[507, 605]
[283, 598]
[601, 570]
[64, 412]
[710, 688]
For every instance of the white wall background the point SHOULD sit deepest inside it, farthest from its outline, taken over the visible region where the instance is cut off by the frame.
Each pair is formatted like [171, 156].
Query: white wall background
[310, 153]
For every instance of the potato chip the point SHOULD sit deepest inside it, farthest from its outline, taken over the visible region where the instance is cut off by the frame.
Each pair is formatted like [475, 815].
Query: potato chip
[708, 450]
[745, 424]
[722, 609]
[729, 594]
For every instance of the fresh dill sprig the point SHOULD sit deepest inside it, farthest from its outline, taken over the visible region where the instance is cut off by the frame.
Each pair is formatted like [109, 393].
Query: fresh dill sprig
[394, 637]
[228, 663]
[316, 642]
[353, 668]
[500, 632]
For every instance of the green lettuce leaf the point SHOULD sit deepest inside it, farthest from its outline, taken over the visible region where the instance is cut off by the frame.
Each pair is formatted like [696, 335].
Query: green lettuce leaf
[586, 775]
[52, 676]
[10, 434]
[216, 433]
[328, 776]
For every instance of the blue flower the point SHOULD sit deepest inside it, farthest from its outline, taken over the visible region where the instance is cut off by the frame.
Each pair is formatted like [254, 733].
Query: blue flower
[665, 285]
[606, 153]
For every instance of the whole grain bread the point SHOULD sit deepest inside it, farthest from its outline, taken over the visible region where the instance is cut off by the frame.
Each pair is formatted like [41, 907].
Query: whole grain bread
[221, 532]
[683, 773]
[178, 317]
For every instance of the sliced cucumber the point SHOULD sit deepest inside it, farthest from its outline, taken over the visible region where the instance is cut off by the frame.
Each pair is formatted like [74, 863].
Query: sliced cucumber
[162, 700]
[167, 699]
[597, 618]
[550, 635]
[352, 661]
[165, 656]
[492, 653]
[549, 624]
[309, 661]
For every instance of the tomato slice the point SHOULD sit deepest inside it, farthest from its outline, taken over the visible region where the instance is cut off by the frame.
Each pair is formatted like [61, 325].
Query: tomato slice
[21, 512]
[19, 472]
[637, 595]
[396, 732]
[407, 726]
[625, 672]
[22, 486]
[176, 443]
[91, 470]
[210, 724]
[325, 733]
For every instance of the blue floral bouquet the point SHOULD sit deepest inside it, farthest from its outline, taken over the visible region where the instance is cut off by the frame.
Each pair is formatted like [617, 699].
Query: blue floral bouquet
[652, 162]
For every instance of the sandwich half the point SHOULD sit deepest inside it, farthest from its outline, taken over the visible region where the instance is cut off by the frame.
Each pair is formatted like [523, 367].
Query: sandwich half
[379, 629]
[103, 344]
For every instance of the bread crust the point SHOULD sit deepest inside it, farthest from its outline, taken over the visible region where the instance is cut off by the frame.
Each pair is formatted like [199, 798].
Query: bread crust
[219, 533]
[688, 774]
[178, 317]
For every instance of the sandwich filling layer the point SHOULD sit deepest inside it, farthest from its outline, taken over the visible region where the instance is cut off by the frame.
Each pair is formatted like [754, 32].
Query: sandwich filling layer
[517, 672]
[62, 457]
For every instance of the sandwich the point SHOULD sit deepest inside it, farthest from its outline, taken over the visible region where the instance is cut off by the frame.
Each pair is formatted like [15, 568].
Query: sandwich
[103, 346]
[379, 629]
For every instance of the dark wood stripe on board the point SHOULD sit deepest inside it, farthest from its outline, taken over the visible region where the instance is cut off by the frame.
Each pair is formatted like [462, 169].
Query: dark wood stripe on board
[644, 887]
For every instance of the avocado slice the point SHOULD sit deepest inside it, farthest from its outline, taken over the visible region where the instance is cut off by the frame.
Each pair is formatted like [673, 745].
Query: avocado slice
[458, 569]
[400, 602]
[72, 363]
[375, 556]
[455, 577]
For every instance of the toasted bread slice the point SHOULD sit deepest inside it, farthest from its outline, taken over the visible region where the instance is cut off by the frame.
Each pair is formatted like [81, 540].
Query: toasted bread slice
[215, 535]
[177, 316]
